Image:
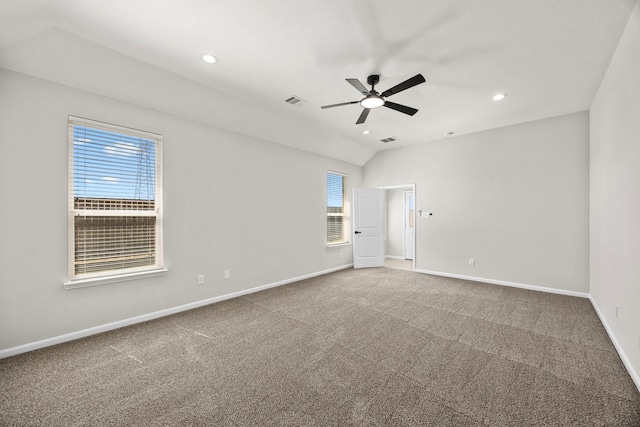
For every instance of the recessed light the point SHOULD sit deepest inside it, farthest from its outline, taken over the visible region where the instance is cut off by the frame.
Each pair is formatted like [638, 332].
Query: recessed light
[209, 59]
[366, 132]
[499, 96]
[449, 133]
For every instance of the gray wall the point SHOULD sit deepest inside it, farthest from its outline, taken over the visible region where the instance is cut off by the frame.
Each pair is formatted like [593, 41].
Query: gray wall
[615, 195]
[230, 201]
[516, 199]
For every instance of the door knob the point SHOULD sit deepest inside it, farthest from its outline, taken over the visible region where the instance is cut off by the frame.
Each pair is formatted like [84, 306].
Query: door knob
[358, 232]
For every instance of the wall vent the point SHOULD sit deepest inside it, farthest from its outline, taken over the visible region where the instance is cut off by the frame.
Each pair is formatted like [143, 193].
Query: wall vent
[389, 139]
[294, 100]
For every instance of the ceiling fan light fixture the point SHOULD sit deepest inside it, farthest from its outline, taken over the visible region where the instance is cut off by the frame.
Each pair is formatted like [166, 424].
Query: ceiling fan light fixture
[372, 101]
[209, 59]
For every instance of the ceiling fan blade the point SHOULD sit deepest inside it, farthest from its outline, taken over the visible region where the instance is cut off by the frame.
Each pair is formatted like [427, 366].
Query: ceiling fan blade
[359, 86]
[339, 105]
[413, 81]
[402, 108]
[363, 116]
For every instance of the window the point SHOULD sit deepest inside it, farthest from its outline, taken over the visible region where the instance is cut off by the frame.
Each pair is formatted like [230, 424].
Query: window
[337, 209]
[115, 201]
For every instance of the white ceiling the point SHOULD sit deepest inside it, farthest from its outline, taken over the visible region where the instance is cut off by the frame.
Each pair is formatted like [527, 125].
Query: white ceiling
[548, 55]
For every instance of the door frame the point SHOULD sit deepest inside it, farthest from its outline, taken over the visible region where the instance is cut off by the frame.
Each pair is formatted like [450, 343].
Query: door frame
[412, 188]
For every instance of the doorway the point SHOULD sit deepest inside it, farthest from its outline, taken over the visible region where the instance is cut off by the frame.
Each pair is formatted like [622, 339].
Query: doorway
[400, 232]
[384, 226]
[409, 226]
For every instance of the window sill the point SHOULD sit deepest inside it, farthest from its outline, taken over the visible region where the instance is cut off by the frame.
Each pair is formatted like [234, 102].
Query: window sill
[103, 280]
[337, 245]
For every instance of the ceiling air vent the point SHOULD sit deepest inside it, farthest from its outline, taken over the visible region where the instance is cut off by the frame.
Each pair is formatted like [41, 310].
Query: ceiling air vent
[390, 139]
[294, 100]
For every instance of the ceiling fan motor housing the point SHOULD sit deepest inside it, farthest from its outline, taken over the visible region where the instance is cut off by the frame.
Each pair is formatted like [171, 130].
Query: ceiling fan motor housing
[373, 100]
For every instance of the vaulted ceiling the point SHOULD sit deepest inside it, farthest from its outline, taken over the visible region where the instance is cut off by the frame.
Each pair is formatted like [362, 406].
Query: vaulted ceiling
[549, 56]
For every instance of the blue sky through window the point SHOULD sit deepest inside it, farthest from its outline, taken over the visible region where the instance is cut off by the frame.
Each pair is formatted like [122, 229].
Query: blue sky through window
[112, 165]
[334, 190]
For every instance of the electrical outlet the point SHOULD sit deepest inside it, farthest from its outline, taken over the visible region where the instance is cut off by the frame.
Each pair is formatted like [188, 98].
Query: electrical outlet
[227, 274]
[472, 261]
[617, 312]
[201, 279]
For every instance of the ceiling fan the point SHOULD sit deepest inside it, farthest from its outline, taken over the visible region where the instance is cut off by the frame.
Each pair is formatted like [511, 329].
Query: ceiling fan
[373, 99]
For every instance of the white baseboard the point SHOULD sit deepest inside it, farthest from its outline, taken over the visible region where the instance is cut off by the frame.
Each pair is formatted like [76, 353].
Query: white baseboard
[625, 360]
[504, 283]
[394, 257]
[155, 315]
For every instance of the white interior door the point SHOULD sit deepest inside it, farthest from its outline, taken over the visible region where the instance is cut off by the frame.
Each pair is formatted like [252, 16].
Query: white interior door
[409, 225]
[368, 238]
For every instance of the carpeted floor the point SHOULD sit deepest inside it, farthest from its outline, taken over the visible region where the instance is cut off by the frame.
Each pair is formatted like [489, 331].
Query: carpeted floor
[373, 347]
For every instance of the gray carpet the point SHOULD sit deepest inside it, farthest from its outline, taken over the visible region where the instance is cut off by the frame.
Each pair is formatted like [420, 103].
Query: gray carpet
[374, 347]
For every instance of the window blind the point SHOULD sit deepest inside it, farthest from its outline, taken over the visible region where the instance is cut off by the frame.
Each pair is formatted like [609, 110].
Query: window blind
[336, 208]
[115, 199]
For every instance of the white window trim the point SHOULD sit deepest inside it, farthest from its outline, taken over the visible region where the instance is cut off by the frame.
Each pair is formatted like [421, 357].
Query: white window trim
[337, 245]
[113, 278]
[347, 211]
[95, 279]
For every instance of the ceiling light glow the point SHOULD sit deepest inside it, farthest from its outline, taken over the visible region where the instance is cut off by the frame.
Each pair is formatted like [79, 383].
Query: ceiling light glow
[372, 101]
[499, 96]
[209, 59]
[366, 132]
